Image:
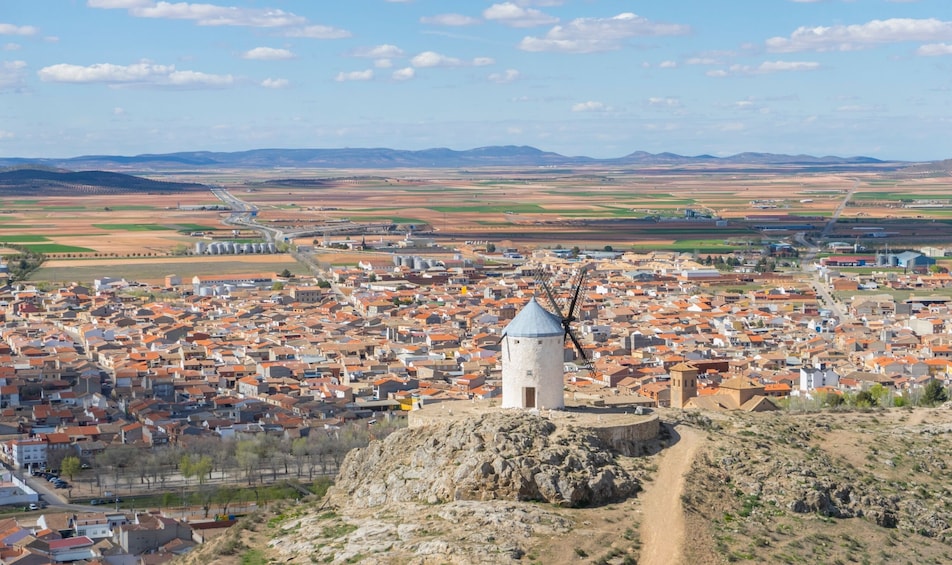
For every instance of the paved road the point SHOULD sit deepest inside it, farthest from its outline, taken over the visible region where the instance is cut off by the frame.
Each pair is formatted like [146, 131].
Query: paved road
[242, 214]
[822, 289]
[839, 210]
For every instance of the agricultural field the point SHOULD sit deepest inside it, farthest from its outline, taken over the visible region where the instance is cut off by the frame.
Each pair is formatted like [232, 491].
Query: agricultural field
[154, 270]
[643, 210]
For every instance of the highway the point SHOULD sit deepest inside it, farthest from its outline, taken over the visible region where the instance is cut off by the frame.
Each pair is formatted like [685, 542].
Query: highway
[839, 210]
[242, 215]
[822, 289]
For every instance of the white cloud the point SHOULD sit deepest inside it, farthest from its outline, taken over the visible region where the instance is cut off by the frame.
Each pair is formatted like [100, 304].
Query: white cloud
[121, 4]
[6, 134]
[505, 77]
[664, 102]
[855, 108]
[513, 15]
[591, 35]
[383, 63]
[142, 73]
[732, 126]
[317, 32]
[861, 36]
[12, 76]
[11, 29]
[934, 49]
[703, 61]
[384, 51]
[591, 106]
[667, 65]
[431, 59]
[204, 14]
[11, 47]
[267, 54]
[275, 83]
[214, 15]
[118, 111]
[779, 66]
[403, 74]
[766, 67]
[355, 75]
[453, 20]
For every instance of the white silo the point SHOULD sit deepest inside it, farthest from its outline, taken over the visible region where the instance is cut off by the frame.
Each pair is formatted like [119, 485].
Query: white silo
[199, 248]
[532, 353]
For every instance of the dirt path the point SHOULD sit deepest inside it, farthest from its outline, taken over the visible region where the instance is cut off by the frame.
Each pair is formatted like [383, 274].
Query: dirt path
[662, 526]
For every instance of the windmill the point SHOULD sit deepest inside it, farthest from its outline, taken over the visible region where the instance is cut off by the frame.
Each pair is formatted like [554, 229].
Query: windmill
[568, 310]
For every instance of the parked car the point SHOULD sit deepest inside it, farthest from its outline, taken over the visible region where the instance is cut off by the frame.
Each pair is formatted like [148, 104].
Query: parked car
[34, 506]
[61, 485]
[95, 502]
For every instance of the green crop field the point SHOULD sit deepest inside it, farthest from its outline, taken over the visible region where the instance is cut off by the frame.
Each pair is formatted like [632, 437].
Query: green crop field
[56, 248]
[23, 238]
[132, 227]
[383, 217]
[494, 209]
[194, 227]
[878, 195]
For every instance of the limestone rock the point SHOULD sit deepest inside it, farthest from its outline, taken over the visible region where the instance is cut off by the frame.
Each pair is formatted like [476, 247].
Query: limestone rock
[496, 456]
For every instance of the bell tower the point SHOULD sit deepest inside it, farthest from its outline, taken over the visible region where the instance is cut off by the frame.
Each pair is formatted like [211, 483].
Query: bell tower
[683, 384]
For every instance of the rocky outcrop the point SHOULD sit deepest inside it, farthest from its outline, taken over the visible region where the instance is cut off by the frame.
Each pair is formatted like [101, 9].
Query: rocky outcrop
[512, 456]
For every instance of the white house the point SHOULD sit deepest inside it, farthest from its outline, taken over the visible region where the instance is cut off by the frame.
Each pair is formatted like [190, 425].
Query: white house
[812, 378]
[29, 453]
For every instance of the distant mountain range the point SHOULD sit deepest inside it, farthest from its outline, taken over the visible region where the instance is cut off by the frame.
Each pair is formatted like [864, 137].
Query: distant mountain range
[382, 158]
[26, 181]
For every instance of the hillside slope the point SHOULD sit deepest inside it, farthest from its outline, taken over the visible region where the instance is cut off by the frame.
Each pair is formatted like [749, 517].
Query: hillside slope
[779, 488]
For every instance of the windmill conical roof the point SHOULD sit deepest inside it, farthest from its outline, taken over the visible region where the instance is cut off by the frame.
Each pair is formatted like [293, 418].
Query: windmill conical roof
[534, 321]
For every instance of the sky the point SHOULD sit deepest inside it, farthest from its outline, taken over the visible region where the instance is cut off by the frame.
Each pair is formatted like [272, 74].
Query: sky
[601, 78]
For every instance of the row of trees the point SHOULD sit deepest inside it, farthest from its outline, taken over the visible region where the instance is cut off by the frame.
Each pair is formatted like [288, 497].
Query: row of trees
[933, 394]
[256, 460]
[24, 262]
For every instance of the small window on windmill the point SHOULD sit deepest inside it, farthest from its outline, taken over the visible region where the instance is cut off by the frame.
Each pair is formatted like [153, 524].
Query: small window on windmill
[540, 342]
[516, 341]
[529, 373]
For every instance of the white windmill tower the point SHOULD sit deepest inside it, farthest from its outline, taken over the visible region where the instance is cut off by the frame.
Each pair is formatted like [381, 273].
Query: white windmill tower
[532, 353]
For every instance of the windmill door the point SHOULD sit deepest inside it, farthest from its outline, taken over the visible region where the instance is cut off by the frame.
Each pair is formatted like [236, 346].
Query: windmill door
[529, 394]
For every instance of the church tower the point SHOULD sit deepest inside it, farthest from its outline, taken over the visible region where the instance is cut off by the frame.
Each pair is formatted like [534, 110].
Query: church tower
[532, 359]
[683, 384]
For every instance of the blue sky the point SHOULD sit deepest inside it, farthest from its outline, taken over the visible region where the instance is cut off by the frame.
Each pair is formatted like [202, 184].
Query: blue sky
[601, 78]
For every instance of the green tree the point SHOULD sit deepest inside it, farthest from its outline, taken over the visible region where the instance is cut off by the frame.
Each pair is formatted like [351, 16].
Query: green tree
[880, 395]
[277, 286]
[490, 248]
[285, 273]
[608, 248]
[864, 399]
[70, 465]
[934, 393]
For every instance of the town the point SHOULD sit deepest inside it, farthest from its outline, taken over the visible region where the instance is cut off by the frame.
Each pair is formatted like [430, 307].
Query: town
[192, 388]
